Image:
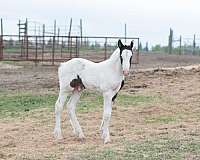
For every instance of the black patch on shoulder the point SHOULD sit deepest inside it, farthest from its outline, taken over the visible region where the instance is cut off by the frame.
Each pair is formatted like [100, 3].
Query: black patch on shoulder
[75, 83]
[115, 96]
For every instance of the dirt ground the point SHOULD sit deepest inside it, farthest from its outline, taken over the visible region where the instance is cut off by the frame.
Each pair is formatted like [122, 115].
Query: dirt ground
[30, 137]
[166, 60]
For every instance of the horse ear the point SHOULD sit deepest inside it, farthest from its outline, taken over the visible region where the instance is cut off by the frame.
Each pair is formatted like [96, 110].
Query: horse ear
[120, 45]
[131, 45]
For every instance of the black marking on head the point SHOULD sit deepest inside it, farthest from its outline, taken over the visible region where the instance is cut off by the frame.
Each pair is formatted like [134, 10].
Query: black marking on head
[115, 96]
[123, 47]
[75, 83]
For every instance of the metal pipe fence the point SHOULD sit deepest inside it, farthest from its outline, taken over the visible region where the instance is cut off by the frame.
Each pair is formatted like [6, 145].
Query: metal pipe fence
[57, 48]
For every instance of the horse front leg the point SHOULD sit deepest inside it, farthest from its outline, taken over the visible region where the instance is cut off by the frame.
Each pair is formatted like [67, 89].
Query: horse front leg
[105, 135]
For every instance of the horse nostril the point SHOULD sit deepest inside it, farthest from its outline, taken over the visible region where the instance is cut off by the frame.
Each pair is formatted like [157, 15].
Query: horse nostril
[125, 73]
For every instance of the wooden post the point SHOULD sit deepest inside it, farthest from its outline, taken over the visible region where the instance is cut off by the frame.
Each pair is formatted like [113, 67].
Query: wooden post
[77, 46]
[81, 31]
[1, 41]
[54, 27]
[36, 49]
[19, 31]
[43, 41]
[170, 41]
[180, 45]
[26, 27]
[147, 47]
[53, 50]
[138, 51]
[26, 38]
[105, 53]
[194, 45]
[1, 27]
[62, 45]
[54, 40]
[69, 35]
[125, 32]
[70, 48]
[58, 36]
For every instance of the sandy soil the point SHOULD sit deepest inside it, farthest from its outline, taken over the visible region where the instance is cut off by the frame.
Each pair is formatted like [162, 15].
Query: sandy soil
[30, 137]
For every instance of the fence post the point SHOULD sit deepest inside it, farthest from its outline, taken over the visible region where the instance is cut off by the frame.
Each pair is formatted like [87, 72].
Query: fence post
[125, 32]
[36, 49]
[53, 49]
[105, 53]
[62, 45]
[180, 45]
[81, 32]
[194, 45]
[170, 41]
[58, 38]
[26, 37]
[70, 47]
[138, 51]
[69, 35]
[54, 43]
[1, 41]
[77, 47]
[26, 47]
[43, 41]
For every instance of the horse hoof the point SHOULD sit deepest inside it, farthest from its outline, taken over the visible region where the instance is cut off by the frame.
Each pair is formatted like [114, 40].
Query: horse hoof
[57, 135]
[107, 140]
[114, 108]
[81, 137]
[102, 134]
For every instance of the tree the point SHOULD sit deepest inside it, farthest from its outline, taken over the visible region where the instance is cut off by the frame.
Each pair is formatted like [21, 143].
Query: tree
[146, 47]
[140, 46]
[157, 47]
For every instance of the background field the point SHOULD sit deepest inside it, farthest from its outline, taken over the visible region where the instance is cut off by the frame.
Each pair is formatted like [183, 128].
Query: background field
[156, 115]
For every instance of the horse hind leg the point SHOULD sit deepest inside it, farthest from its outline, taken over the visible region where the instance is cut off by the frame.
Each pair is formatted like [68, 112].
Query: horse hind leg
[58, 110]
[71, 107]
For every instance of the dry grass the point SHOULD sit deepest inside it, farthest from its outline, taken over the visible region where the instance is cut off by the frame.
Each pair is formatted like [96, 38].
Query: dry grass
[157, 117]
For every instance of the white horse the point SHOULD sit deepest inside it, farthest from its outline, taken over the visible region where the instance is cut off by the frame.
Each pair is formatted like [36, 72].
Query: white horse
[107, 77]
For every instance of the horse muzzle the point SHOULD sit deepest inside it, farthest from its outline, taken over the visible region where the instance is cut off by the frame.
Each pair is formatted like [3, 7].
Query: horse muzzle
[125, 72]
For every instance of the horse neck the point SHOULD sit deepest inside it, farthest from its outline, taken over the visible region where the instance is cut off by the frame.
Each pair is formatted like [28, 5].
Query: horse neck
[115, 62]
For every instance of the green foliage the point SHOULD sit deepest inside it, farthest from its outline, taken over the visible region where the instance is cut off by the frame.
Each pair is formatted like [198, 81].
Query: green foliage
[156, 47]
[140, 46]
[160, 49]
